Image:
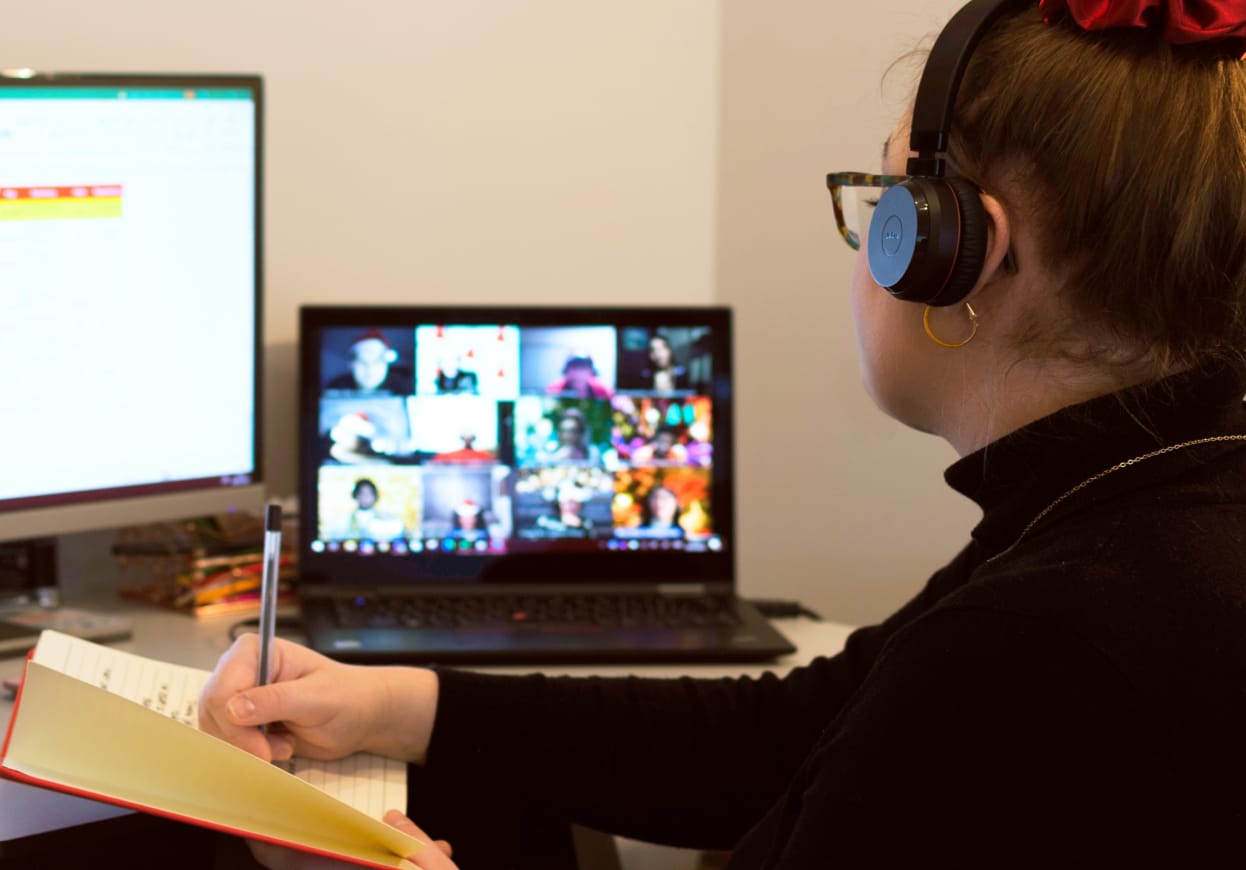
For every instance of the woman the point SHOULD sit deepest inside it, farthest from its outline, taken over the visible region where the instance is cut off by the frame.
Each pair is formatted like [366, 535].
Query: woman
[661, 512]
[662, 371]
[1068, 690]
[573, 445]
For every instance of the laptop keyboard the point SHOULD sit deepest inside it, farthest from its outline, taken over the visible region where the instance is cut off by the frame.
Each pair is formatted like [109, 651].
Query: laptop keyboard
[465, 611]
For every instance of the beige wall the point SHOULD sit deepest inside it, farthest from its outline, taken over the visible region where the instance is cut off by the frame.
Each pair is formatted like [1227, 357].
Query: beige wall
[553, 150]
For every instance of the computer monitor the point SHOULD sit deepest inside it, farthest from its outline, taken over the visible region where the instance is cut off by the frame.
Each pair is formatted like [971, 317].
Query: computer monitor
[130, 288]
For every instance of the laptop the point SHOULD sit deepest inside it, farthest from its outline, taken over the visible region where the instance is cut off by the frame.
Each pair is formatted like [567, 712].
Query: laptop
[491, 485]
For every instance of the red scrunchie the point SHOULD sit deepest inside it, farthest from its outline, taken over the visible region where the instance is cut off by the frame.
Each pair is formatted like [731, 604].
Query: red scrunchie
[1183, 21]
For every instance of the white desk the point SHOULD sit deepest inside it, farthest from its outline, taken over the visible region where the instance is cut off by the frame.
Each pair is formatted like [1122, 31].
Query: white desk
[158, 634]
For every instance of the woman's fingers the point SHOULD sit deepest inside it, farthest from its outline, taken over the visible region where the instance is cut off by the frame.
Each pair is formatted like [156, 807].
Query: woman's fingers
[435, 857]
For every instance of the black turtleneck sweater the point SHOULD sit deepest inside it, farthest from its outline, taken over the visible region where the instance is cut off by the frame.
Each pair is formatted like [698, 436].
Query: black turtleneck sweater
[1076, 697]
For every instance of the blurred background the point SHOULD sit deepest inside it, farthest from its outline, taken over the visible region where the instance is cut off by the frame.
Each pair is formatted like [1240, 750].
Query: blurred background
[552, 151]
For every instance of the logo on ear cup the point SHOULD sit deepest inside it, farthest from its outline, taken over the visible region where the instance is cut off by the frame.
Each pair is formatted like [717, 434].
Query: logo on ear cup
[893, 236]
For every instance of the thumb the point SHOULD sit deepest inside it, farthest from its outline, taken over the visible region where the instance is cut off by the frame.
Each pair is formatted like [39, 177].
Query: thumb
[260, 705]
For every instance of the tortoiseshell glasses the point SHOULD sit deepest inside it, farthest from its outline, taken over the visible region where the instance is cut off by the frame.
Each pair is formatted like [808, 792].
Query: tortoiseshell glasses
[854, 195]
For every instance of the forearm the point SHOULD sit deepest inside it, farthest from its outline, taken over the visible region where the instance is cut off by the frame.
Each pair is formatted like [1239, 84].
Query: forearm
[692, 762]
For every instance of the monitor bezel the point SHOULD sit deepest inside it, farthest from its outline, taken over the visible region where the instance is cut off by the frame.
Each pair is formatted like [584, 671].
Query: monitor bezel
[554, 567]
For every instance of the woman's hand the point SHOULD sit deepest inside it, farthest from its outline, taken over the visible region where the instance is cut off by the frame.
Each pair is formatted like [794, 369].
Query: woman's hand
[324, 709]
[435, 857]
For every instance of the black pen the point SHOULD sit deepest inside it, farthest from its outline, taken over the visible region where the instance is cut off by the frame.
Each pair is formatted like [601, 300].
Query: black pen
[268, 591]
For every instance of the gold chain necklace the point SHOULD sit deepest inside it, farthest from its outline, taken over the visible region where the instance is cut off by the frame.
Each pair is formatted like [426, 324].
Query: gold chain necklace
[1171, 448]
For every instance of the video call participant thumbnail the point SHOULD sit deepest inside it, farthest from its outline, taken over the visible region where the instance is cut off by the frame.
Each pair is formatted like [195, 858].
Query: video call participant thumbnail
[663, 503]
[464, 502]
[467, 360]
[672, 359]
[458, 428]
[372, 503]
[577, 362]
[372, 361]
[563, 432]
[658, 431]
[563, 503]
[362, 430]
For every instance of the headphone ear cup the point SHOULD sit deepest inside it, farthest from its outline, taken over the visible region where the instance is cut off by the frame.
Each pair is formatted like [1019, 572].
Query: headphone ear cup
[927, 240]
[971, 247]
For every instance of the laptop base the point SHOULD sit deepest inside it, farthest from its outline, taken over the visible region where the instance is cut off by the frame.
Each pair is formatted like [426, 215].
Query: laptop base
[753, 639]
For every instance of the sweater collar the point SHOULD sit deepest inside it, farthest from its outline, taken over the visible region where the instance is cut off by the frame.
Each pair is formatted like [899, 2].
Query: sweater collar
[1015, 477]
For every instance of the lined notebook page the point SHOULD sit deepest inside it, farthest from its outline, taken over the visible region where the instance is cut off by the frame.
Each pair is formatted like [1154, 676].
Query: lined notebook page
[368, 783]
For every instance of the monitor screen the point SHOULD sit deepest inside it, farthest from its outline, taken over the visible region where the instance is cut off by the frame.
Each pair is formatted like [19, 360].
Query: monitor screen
[130, 284]
[435, 440]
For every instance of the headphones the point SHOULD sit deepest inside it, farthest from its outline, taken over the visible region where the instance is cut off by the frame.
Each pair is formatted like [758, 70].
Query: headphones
[927, 238]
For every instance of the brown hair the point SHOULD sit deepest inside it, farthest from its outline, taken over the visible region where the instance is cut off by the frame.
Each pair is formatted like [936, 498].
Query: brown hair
[1135, 153]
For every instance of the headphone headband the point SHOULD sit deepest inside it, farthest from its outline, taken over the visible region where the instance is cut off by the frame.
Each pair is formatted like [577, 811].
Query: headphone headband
[936, 95]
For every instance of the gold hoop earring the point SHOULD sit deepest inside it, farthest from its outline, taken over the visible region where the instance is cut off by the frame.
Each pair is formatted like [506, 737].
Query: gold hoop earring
[973, 320]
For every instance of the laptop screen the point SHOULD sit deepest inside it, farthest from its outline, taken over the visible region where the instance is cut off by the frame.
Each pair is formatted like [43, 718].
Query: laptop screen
[454, 443]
